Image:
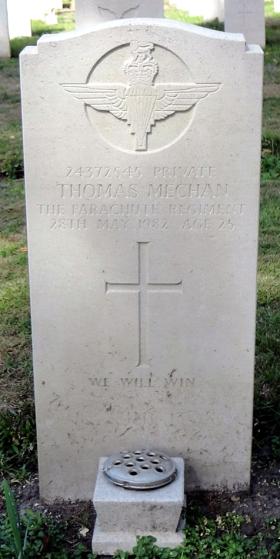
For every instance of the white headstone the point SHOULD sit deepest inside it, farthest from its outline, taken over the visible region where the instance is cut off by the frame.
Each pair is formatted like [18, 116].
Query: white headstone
[19, 19]
[89, 12]
[41, 10]
[277, 6]
[51, 17]
[208, 9]
[5, 51]
[247, 17]
[142, 161]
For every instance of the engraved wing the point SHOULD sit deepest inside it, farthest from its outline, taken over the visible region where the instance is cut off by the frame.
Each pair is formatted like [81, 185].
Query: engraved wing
[130, 12]
[106, 12]
[104, 97]
[176, 97]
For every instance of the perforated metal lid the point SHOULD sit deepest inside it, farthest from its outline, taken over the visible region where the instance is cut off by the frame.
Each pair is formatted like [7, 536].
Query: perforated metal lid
[140, 469]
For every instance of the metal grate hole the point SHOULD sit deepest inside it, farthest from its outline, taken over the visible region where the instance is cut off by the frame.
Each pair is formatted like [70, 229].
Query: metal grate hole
[140, 459]
[117, 463]
[145, 466]
[133, 473]
[137, 452]
[159, 469]
[129, 464]
[155, 461]
[151, 453]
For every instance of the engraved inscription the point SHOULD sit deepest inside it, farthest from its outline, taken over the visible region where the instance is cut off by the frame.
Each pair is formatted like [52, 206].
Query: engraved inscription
[72, 224]
[142, 288]
[201, 172]
[151, 381]
[107, 204]
[178, 173]
[104, 172]
[141, 103]
[94, 191]
[100, 382]
[190, 190]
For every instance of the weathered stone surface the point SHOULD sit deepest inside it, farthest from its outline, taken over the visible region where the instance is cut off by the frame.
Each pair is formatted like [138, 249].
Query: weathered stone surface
[247, 17]
[4, 31]
[142, 156]
[208, 9]
[123, 509]
[124, 514]
[90, 12]
[19, 19]
[107, 543]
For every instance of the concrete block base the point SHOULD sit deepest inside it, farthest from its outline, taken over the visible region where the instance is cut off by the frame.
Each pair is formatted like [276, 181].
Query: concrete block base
[107, 543]
[123, 514]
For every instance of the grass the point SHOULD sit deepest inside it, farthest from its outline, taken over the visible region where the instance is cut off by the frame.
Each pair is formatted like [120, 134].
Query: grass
[17, 421]
[37, 534]
[11, 158]
[171, 12]
[269, 8]
[271, 115]
[65, 23]
[222, 536]
[33, 534]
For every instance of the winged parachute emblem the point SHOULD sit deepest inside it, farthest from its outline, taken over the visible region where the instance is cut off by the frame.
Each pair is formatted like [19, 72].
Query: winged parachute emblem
[129, 12]
[141, 103]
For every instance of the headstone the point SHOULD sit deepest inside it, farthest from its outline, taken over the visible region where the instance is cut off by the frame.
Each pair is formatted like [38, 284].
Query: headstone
[142, 161]
[247, 17]
[277, 6]
[37, 10]
[51, 17]
[45, 10]
[89, 12]
[19, 19]
[5, 51]
[208, 9]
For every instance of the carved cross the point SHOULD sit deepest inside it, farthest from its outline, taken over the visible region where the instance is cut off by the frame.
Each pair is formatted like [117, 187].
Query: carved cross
[142, 288]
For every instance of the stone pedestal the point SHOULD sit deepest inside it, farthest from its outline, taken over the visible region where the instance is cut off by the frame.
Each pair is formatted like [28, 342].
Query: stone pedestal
[123, 514]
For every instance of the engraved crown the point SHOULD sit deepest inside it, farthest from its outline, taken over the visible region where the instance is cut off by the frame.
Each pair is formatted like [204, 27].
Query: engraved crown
[141, 68]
